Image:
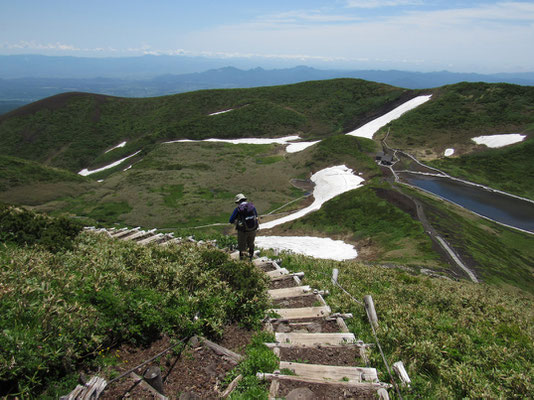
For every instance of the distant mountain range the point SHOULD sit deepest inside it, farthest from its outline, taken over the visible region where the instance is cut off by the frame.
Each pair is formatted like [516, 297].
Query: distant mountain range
[25, 79]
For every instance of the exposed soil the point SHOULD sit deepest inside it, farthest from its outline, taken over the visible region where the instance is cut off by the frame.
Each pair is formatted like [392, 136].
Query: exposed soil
[194, 372]
[267, 267]
[324, 391]
[310, 300]
[326, 355]
[282, 283]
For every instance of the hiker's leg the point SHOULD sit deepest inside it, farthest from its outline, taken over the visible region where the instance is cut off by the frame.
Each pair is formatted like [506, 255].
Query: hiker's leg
[242, 244]
[251, 236]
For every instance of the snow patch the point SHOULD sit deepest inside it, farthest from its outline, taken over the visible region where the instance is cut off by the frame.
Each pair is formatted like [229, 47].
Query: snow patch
[85, 171]
[369, 129]
[499, 140]
[221, 112]
[449, 152]
[329, 183]
[296, 147]
[282, 140]
[317, 247]
[116, 147]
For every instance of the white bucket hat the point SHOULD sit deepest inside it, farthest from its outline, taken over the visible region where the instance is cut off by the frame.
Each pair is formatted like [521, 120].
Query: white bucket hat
[240, 197]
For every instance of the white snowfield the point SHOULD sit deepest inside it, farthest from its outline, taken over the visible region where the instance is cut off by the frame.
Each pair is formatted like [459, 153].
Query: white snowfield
[221, 112]
[370, 128]
[449, 152]
[499, 140]
[329, 183]
[291, 148]
[317, 247]
[116, 147]
[85, 171]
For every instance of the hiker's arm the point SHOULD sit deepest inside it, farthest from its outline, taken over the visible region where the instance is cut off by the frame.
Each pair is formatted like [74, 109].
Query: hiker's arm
[234, 216]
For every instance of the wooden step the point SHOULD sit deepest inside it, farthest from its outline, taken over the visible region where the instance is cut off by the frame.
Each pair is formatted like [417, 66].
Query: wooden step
[313, 339]
[277, 273]
[150, 239]
[330, 372]
[304, 312]
[288, 292]
[122, 234]
[369, 390]
[139, 235]
[171, 241]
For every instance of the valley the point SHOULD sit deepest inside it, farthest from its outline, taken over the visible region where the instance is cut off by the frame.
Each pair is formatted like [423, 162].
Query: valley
[306, 155]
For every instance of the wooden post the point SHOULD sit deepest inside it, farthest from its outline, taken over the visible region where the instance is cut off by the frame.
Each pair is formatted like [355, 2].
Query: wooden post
[153, 378]
[371, 313]
[398, 367]
[335, 273]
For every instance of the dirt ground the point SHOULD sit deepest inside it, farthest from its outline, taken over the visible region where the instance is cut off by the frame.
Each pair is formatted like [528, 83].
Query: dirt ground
[196, 373]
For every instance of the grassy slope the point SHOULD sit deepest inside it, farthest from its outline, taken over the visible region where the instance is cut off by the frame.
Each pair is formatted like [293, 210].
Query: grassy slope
[31, 183]
[377, 227]
[500, 255]
[73, 130]
[59, 310]
[192, 184]
[460, 112]
[456, 339]
[510, 168]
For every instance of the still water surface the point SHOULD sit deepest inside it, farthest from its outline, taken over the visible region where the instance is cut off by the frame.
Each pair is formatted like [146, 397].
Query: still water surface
[505, 209]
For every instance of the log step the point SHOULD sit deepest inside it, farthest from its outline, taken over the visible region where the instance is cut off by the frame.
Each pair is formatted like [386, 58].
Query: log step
[277, 273]
[288, 292]
[331, 372]
[122, 234]
[313, 339]
[370, 385]
[304, 312]
[150, 239]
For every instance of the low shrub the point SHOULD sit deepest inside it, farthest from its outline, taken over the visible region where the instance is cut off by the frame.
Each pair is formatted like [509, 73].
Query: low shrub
[61, 310]
[23, 227]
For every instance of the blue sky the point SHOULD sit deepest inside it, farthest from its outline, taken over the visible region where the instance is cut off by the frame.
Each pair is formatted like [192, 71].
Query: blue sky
[417, 35]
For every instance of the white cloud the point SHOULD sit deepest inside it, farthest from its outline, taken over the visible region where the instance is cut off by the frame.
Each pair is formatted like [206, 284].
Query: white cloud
[381, 3]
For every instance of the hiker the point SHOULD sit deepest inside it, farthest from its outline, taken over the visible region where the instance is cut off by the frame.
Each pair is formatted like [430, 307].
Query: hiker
[245, 217]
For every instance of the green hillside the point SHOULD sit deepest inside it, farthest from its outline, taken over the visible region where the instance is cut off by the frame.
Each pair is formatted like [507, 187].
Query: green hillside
[460, 112]
[72, 130]
[510, 168]
[456, 339]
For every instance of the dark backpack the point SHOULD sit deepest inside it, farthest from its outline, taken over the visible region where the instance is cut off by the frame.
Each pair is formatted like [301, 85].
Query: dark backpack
[246, 217]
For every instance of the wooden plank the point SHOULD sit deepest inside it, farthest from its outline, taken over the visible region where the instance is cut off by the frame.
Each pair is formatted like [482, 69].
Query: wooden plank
[172, 241]
[288, 292]
[331, 372]
[294, 275]
[273, 389]
[222, 350]
[314, 339]
[363, 385]
[124, 233]
[303, 312]
[150, 239]
[145, 385]
[342, 325]
[231, 387]
[277, 272]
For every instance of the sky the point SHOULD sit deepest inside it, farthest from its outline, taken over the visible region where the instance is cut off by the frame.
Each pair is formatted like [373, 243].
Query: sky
[461, 36]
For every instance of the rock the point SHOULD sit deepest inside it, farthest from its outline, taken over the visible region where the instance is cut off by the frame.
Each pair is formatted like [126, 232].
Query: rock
[283, 328]
[315, 327]
[302, 393]
[193, 342]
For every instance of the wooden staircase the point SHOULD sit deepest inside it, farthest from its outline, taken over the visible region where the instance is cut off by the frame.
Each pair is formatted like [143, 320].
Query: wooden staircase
[304, 329]
[312, 332]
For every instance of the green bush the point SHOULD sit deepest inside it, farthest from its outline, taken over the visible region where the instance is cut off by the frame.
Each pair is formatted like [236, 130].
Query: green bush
[24, 227]
[60, 310]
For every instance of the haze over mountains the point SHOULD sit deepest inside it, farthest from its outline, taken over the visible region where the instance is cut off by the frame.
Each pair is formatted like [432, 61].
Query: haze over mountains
[27, 78]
